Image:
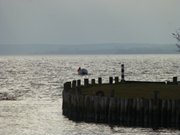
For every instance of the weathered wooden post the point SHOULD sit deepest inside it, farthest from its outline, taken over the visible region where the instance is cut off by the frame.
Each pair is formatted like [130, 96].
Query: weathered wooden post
[156, 119]
[112, 93]
[178, 114]
[122, 72]
[93, 81]
[116, 80]
[74, 84]
[86, 82]
[175, 80]
[156, 95]
[141, 114]
[177, 109]
[134, 112]
[138, 112]
[110, 80]
[78, 83]
[67, 86]
[99, 80]
[168, 112]
[125, 111]
[150, 112]
[173, 115]
[146, 106]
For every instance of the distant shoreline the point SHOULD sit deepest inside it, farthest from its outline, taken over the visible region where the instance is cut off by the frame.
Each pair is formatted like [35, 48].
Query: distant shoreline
[88, 49]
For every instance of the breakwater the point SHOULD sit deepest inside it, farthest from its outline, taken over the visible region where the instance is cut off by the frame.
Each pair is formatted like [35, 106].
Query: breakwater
[136, 112]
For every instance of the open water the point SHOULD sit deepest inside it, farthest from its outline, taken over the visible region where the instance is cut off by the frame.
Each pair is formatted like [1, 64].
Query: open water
[31, 90]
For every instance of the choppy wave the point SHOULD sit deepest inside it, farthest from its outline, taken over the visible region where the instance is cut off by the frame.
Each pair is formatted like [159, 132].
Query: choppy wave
[31, 87]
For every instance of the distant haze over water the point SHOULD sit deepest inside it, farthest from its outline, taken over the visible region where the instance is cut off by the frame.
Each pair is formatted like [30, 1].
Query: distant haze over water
[104, 48]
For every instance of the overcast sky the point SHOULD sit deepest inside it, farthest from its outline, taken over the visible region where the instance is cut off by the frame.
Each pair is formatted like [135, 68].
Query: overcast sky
[88, 21]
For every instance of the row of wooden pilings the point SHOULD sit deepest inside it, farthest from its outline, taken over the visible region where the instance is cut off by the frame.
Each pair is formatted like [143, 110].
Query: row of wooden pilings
[115, 80]
[131, 112]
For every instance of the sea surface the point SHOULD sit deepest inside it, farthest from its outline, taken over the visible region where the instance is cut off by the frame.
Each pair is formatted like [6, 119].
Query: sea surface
[31, 90]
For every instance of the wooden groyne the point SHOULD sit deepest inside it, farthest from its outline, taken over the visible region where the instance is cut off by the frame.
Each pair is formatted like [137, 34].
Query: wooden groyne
[124, 103]
[100, 107]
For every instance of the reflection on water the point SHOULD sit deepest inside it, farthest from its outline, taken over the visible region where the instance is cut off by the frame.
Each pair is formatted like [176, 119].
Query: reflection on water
[31, 87]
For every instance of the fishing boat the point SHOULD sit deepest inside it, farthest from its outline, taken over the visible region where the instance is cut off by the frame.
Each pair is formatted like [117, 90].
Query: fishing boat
[82, 71]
